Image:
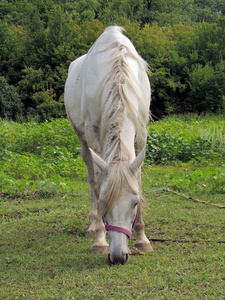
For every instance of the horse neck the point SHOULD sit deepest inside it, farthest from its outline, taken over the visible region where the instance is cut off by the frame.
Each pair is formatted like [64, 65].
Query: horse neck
[119, 118]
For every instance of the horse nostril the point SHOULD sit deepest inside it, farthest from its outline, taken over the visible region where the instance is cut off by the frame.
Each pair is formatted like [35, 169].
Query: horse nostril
[109, 259]
[125, 260]
[112, 259]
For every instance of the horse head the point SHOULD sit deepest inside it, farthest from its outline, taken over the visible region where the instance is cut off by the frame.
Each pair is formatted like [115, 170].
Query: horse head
[119, 197]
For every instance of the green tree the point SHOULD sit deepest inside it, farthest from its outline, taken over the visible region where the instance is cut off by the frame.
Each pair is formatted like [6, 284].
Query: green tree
[207, 88]
[39, 38]
[12, 49]
[11, 106]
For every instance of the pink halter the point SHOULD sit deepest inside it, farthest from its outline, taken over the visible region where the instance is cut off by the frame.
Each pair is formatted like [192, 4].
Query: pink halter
[121, 229]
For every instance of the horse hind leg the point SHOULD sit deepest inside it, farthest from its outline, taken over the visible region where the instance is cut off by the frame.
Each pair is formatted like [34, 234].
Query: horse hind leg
[86, 156]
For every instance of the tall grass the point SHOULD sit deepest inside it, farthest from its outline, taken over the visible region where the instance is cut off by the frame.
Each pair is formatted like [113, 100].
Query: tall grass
[215, 135]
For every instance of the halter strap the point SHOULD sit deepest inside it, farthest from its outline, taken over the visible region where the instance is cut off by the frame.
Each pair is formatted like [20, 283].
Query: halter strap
[121, 229]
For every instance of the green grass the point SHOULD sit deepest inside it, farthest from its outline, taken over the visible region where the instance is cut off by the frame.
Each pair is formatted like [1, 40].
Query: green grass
[44, 250]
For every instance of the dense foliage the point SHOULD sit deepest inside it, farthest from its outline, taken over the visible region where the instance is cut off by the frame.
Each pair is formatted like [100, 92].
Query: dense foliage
[184, 139]
[41, 156]
[183, 42]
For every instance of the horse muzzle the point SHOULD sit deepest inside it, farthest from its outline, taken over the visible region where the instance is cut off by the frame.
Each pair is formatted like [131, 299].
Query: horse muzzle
[118, 248]
[114, 258]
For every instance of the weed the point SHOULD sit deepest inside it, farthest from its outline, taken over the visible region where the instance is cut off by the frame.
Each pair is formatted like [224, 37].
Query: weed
[215, 135]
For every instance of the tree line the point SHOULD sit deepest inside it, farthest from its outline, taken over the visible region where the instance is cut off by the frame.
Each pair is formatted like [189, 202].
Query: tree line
[182, 40]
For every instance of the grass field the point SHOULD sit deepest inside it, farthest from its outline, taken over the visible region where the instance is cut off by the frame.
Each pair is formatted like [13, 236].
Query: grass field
[44, 206]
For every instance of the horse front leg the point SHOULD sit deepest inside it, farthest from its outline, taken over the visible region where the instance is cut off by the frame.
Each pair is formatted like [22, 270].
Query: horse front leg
[142, 242]
[100, 244]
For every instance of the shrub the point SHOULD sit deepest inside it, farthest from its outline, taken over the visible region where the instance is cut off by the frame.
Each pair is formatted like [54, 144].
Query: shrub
[11, 106]
[163, 148]
[36, 138]
[47, 106]
[207, 88]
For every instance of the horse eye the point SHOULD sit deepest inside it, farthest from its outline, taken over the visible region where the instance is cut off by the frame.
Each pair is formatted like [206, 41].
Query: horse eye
[136, 202]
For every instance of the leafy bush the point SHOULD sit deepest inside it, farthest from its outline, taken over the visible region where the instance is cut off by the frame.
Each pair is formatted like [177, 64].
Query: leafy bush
[163, 148]
[48, 107]
[11, 106]
[207, 85]
[34, 137]
[186, 137]
[39, 156]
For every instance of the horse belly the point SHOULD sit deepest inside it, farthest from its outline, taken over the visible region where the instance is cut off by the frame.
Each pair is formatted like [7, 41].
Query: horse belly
[73, 92]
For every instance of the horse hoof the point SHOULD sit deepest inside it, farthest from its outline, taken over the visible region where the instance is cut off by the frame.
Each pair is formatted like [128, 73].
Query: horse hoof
[91, 233]
[100, 248]
[144, 247]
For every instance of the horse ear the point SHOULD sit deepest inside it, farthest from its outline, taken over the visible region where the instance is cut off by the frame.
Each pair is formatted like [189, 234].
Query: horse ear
[98, 160]
[138, 161]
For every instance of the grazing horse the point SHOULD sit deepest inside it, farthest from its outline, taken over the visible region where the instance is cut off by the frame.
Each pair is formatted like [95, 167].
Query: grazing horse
[107, 99]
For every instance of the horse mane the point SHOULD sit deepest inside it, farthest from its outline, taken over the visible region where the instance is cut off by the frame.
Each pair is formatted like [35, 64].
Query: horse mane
[124, 100]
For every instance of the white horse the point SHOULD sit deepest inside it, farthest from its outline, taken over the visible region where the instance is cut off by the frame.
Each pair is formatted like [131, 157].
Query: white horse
[107, 99]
